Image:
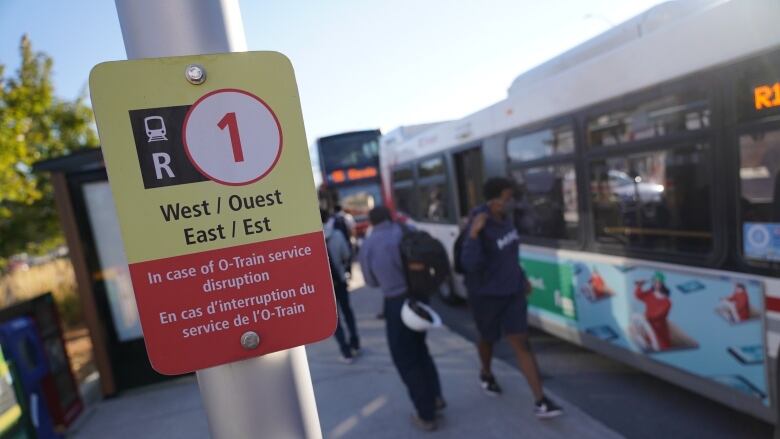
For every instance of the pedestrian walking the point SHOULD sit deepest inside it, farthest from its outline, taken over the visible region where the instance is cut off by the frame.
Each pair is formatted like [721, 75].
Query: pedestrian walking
[344, 222]
[497, 288]
[339, 256]
[380, 260]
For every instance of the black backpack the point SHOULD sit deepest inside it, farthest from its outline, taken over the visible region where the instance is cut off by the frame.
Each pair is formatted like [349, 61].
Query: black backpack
[425, 260]
[457, 250]
[341, 225]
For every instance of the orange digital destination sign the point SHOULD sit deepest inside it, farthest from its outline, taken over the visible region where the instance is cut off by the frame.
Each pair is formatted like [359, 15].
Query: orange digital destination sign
[352, 174]
[767, 96]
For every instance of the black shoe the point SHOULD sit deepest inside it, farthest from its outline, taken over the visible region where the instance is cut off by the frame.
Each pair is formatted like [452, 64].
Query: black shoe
[441, 404]
[545, 408]
[489, 384]
[354, 345]
[424, 425]
[346, 355]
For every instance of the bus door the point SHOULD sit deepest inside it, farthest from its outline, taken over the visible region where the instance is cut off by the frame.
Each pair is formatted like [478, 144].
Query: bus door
[469, 179]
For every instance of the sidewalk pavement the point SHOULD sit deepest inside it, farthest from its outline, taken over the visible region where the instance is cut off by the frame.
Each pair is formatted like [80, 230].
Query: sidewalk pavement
[365, 399]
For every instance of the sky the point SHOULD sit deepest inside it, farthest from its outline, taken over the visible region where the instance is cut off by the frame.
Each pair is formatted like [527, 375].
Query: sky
[360, 64]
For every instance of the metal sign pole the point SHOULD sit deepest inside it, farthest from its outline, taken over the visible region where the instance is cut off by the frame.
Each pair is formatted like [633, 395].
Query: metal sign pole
[264, 397]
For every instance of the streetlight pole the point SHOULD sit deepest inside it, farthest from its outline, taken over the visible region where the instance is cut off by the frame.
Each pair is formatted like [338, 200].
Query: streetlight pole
[264, 397]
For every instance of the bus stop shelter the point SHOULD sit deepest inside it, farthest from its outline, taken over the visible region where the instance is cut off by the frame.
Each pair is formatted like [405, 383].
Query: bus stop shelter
[88, 218]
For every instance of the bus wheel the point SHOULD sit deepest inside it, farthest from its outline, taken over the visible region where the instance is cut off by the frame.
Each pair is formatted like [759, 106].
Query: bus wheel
[447, 293]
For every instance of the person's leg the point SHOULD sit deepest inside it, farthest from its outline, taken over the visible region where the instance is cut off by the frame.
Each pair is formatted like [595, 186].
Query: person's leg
[485, 349]
[342, 297]
[342, 341]
[430, 366]
[431, 372]
[381, 314]
[527, 362]
[405, 348]
[486, 312]
[339, 334]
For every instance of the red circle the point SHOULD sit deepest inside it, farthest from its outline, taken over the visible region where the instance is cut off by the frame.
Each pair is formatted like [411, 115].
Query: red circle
[187, 149]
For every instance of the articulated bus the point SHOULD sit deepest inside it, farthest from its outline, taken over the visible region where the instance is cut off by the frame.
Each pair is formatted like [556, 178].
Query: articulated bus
[349, 163]
[648, 166]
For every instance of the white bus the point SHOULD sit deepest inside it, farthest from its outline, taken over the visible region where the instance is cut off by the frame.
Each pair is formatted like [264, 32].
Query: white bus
[649, 155]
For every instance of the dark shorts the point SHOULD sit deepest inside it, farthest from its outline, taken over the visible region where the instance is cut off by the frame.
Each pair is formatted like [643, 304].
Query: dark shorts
[497, 315]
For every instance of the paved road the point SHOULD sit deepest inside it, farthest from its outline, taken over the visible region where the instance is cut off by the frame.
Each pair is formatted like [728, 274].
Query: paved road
[631, 402]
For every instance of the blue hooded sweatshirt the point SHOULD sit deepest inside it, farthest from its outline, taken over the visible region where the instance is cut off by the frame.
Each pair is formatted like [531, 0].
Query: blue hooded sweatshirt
[492, 261]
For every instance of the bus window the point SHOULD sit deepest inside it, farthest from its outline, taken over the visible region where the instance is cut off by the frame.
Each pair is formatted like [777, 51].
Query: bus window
[759, 174]
[543, 143]
[350, 151]
[404, 200]
[468, 175]
[547, 202]
[403, 191]
[656, 201]
[432, 191]
[667, 115]
[402, 174]
[359, 199]
[433, 202]
[431, 168]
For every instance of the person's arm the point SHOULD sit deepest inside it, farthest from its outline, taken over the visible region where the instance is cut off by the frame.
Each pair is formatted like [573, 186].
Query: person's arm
[639, 293]
[472, 255]
[341, 250]
[528, 288]
[365, 265]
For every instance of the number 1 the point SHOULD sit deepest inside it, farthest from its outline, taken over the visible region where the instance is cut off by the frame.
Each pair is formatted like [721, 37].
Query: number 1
[229, 120]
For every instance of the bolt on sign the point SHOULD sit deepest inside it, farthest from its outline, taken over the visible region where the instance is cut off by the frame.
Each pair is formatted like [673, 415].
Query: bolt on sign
[209, 167]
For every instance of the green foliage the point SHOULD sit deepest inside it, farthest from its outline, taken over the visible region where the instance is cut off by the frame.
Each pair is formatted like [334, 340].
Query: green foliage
[34, 125]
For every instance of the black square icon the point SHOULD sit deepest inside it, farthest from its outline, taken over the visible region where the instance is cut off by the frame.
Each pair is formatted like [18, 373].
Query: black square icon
[158, 142]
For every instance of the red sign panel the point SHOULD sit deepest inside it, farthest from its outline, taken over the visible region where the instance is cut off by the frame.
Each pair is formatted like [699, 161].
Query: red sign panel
[199, 305]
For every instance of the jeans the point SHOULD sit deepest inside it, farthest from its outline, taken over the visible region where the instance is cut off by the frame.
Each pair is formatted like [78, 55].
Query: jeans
[347, 316]
[412, 360]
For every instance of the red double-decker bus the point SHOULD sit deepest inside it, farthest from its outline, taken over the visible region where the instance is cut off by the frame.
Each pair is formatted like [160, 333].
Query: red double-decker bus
[349, 163]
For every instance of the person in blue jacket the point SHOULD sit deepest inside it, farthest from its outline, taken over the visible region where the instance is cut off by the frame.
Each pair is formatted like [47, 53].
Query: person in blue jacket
[498, 287]
[382, 267]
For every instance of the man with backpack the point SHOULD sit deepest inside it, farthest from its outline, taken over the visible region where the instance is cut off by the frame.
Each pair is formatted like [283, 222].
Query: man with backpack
[383, 266]
[498, 287]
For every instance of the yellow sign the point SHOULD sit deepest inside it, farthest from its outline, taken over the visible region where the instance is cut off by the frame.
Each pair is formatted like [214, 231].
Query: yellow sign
[217, 205]
[172, 202]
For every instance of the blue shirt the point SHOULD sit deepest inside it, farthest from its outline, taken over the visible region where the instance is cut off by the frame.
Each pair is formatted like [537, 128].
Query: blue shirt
[492, 260]
[380, 259]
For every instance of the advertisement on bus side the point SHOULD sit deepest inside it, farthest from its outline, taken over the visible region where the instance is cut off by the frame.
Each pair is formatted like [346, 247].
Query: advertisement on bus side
[707, 325]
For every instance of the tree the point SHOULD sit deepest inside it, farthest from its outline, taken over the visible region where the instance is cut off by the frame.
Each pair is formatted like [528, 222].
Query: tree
[34, 125]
